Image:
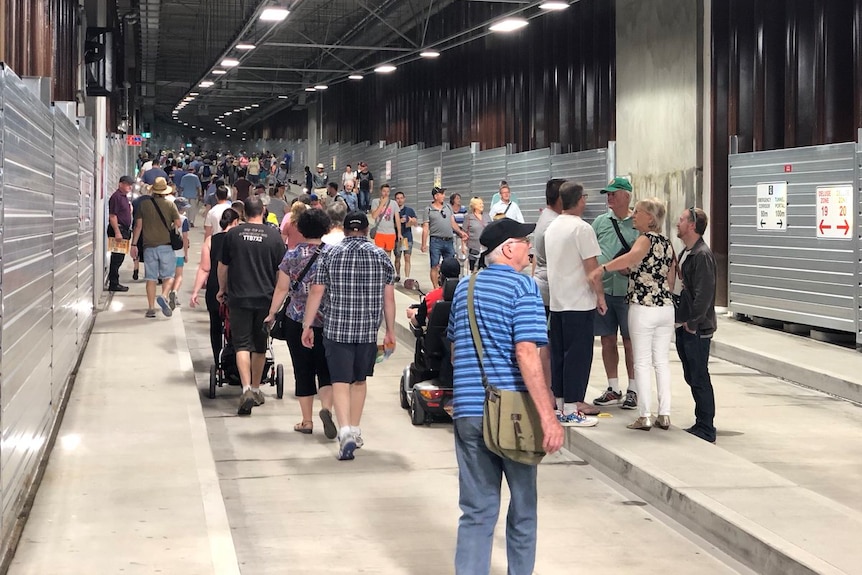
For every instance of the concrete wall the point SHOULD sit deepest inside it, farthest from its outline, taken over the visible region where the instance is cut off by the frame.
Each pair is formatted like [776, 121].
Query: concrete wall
[659, 103]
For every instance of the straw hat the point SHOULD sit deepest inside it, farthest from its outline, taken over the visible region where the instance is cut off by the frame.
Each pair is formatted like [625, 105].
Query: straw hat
[160, 186]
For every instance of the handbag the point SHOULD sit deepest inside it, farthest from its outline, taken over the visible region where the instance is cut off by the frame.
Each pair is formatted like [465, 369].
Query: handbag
[510, 424]
[279, 326]
[372, 233]
[176, 239]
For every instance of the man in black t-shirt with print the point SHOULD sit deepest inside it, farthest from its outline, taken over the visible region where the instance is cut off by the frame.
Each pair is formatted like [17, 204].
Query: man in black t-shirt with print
[247, 274]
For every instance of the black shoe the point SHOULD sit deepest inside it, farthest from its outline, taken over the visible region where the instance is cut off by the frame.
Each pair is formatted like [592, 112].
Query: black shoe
[135, 275]
[118, 287]
[697, 433]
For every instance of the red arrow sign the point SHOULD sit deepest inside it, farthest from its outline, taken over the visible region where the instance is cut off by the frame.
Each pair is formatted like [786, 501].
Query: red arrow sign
[824, 227]
[845, 227]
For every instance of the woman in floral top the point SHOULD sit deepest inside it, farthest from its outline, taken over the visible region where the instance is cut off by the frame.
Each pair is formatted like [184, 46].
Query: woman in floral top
[653, 269]
[308, 364]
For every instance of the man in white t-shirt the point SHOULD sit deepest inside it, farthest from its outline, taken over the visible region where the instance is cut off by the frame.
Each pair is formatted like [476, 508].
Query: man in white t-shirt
[506, 208]
[212, 224]
[572, 252]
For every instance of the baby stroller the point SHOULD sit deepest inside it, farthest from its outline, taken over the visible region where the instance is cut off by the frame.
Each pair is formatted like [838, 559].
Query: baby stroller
[425, 389]
[226, 371]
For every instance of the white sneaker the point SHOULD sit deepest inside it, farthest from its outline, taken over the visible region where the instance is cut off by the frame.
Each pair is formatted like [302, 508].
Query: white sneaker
[578, 420]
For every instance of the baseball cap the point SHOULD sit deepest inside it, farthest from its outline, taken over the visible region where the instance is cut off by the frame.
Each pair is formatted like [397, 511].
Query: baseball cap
[182, 203]
[319, 165]
[437, 190]
[356, 221]
[314, 197]
[450, 268]
[127, 180]
[260, 187]
[499, 231]
[618, 184]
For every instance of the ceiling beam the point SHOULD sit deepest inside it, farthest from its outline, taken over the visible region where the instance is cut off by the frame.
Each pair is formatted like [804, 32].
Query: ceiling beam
[337, 47]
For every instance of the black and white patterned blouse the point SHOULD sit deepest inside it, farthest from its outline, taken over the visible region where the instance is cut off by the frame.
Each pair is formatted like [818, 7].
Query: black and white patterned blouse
[648, 283]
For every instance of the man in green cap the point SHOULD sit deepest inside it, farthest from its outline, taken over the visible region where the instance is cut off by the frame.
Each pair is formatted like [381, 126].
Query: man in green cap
[616, 234]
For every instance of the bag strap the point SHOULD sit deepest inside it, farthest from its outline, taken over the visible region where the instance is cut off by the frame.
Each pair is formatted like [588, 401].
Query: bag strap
[620, 234]
[509, 205]
[307, 267]
[159, 211]
[474, 328]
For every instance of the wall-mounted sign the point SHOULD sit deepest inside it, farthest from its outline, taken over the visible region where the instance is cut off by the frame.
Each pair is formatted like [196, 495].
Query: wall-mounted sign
[134, 140]
[772, 206]
[388, 174]
[835, 212]
[438, 177]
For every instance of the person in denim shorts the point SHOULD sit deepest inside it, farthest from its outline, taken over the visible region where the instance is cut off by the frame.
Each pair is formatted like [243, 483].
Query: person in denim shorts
[440, 227]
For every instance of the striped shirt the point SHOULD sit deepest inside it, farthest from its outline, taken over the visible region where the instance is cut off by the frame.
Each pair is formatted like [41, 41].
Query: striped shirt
[355, 273]
[509, 310]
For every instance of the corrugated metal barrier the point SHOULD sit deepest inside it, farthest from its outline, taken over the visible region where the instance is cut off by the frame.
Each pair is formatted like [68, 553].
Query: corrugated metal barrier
[793, 245]
[47, 203]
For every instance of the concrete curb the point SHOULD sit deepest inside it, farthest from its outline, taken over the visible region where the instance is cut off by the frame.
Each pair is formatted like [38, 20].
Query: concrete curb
[820, 380]
[751, 544]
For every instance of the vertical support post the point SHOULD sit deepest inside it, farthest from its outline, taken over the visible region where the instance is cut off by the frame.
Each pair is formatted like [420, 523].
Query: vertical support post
[612, 160]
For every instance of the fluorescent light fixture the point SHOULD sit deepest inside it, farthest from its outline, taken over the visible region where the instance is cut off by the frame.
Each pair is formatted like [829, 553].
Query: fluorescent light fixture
[229, 62]
[355, 77]
[430, 54]
[213, 133]
[194, 93]
[554, 5]
[245, 46]
[508, 25]
[206, 84]
[228, 113]
[283, 96]
[188, 98]
[255, 105]
[321, 87]
[274, 14]
[219, 72]
[385, 69]
[310, 89]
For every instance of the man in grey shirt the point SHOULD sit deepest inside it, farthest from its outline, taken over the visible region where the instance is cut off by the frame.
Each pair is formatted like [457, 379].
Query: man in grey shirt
[440, 225]
[319, 180]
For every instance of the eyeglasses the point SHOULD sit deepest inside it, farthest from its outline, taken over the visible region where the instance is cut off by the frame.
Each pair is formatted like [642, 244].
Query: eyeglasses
[519, 241]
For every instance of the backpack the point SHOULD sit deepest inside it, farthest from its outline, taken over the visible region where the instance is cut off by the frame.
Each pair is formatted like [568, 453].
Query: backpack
[206, 172]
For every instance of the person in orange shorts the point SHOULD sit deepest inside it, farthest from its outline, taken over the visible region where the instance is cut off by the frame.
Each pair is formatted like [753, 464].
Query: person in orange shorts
[384, 215]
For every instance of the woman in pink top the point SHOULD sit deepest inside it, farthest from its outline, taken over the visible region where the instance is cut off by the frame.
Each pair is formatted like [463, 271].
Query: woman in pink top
[289, 233]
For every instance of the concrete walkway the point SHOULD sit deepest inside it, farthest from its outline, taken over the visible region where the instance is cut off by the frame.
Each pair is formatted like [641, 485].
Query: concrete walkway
[151, 476]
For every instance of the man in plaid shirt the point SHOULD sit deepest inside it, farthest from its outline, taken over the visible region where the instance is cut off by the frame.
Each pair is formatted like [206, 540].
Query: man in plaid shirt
[355, 282]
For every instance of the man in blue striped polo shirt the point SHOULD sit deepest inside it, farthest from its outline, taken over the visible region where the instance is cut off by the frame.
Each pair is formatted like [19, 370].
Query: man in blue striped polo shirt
[511, 320]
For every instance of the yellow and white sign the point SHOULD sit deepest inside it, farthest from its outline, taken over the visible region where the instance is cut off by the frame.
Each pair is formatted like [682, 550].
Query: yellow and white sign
[835, 212]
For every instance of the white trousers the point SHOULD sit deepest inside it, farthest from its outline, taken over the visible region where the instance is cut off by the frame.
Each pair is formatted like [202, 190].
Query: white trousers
[651, 329]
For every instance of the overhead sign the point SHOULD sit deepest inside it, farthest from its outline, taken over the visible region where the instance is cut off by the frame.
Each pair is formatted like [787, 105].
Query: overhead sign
[146, 135]
[835, 212]
[134, 140]
[772, 206]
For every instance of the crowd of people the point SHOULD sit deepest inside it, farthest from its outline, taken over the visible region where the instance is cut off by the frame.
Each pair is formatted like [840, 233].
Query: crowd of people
[331, 260]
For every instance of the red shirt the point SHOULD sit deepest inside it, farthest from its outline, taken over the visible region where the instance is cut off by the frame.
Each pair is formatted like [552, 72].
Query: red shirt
[431, 298]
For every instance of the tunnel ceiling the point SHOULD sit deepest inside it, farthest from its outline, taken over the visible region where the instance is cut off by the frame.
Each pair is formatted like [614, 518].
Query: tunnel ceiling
[320, 42]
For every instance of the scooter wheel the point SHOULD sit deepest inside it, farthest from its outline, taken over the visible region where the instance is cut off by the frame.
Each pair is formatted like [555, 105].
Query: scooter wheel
[402, 393]
[417, 413]
[213, 380]
[279, 381]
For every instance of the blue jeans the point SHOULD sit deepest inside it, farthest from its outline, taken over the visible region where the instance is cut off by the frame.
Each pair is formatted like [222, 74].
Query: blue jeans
[480, 474]
[439, 249]
[364, 202]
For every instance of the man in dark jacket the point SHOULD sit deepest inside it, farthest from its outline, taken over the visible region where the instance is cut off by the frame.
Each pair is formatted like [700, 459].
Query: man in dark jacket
[695, 316]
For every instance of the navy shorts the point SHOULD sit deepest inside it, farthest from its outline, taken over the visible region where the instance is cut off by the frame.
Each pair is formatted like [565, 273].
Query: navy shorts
[349, 362]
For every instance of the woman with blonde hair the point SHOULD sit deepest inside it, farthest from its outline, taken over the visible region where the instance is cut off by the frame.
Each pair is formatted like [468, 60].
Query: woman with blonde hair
[289, 232]
[651, 312]
[474, 222]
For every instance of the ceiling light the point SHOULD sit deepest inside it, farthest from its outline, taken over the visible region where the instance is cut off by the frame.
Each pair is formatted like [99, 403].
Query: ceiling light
[554, 5]
[274, 14]
[310, 89]
[228, 113]
[385, 69]
[430, 54]
[321, 87]
[508, 25]
[283, 97]
[229, 62]
[255, 105]
[188, 98]
[355, 76]
[194, 93]
[219, 72]
[213, 133]
[206, 84]
[245, 46]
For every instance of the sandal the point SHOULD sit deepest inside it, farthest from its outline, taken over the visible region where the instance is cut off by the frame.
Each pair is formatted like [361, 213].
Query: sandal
[304, 427]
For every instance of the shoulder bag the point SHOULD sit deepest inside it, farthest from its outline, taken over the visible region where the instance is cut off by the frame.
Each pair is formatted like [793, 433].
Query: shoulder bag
[279, 327]
[510, 424]
[503, 215]
[176, 237]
